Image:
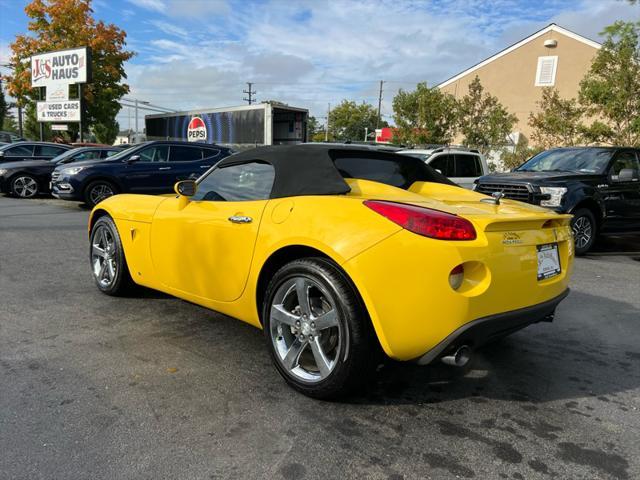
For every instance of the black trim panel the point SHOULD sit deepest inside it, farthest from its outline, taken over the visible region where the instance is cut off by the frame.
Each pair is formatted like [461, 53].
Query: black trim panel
[486, 329]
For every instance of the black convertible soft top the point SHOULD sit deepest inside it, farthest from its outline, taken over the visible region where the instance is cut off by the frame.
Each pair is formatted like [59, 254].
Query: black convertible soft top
[310, 169]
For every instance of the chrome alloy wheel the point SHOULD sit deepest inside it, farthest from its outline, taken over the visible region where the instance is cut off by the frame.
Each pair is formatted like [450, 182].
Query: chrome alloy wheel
[305, 329]
[582, 232]
[100, 192]
[103, 256]
[25, 187]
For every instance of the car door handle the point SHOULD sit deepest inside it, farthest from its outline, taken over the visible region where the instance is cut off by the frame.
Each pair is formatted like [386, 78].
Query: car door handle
[164, 168]
[205, 166]
[240, 219]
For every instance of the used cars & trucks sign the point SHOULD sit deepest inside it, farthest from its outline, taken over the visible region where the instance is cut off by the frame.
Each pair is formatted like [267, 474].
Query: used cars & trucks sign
[67, 111]
[63, 66]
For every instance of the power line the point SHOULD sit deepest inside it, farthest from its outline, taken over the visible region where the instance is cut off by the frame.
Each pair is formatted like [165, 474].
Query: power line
[249, 93]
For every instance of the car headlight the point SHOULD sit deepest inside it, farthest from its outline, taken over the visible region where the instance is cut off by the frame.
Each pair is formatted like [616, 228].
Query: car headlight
[71, 170]
[555, 196]
[2, 171]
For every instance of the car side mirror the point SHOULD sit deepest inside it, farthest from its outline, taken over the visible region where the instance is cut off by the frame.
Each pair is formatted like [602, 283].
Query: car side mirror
[1, 153]
[439, 171]
[132, 159]
[186, 188]
[627, 175]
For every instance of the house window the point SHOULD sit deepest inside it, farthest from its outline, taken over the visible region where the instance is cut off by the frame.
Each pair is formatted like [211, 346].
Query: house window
[546, 71]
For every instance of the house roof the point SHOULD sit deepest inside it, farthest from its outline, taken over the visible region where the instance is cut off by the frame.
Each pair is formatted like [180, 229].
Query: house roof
[551, 27]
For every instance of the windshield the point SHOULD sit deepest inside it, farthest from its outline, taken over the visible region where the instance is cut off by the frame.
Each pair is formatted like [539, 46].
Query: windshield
[67, 154]
[127, 151]
[421, 156]
[587, 160]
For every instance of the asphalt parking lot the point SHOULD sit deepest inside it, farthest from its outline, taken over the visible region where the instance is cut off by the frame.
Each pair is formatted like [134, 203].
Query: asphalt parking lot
[154, 387]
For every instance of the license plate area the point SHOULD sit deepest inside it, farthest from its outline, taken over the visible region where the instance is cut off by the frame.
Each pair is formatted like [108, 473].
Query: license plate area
[548, 261]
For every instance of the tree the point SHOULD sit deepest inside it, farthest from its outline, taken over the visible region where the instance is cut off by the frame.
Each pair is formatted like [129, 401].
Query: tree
[520, 154]
[4, 108]
[106, 132]
[349, 120]
[611, 89]
[313, 127]
[9, 123]
[60, 24]
[558, 121]
[424, 116]
[31, 125]
[483, 121]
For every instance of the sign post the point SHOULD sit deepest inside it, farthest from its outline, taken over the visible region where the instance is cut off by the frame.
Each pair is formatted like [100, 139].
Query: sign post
[55, 72]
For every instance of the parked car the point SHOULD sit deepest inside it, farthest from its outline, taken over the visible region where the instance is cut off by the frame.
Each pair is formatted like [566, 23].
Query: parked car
[600, 186]
[152, 167]
[21, 151]
[337, 253]
[29, 178]
[10, 137]
[461, 165]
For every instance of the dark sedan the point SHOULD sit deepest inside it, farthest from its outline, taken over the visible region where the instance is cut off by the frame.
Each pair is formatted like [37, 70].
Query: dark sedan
[20, 151]
[28, 178]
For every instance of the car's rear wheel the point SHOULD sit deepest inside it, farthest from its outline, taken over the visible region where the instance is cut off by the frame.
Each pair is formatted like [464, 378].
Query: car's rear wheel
[317, 330]
[24, 186]
[584, 229]
[108, 263]
[98, 191]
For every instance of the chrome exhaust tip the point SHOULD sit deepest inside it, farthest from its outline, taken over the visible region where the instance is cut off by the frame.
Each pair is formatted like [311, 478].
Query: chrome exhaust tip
[459, 358]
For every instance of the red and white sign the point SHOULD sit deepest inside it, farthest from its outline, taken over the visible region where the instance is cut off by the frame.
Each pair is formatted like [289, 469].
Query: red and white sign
[384, 135]
[197, 130]
[64, 66]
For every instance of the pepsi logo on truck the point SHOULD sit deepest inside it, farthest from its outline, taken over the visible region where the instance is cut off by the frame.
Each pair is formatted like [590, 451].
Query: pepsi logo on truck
[197, 130]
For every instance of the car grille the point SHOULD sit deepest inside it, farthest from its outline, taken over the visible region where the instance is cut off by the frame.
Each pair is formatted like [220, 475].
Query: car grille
[510, 190]
[54, 176]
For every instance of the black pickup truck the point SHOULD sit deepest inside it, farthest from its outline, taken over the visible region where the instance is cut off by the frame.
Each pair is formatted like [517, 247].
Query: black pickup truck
[600, 186]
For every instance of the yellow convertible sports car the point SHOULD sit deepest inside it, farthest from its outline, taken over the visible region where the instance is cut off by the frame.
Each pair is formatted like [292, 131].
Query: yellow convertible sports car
[338, 252]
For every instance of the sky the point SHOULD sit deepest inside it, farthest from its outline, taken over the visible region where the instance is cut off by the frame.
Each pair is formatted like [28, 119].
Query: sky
[200, 53]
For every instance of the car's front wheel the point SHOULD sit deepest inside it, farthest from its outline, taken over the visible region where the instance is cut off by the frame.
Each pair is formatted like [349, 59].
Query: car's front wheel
[317, 330]
[24, 186]
[584, 229]
[108, 263]
[98, 191]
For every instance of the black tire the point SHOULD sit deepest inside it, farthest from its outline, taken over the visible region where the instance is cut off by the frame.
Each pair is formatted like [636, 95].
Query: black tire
[357, 351]
[120, 283]
[585, 230]
[92, 194]
[23, 185]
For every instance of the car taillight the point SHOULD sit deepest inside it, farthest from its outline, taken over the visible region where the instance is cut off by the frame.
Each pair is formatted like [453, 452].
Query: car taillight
[425, 221]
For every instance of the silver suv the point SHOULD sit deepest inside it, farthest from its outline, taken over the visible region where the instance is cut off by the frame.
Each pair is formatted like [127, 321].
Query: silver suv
[461, 165]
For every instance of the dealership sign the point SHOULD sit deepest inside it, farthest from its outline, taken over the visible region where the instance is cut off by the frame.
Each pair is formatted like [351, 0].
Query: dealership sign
[64, 66]
[57, 92]
[68, 111]
[197, 130]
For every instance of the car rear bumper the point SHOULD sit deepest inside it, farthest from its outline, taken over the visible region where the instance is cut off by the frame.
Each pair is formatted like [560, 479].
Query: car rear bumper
[484, 330]
[404, 283]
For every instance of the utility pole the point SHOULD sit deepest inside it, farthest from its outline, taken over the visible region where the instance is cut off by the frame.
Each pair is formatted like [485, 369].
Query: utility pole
[379, 104]
[136, 110]
[250, 93]
[326, 130]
